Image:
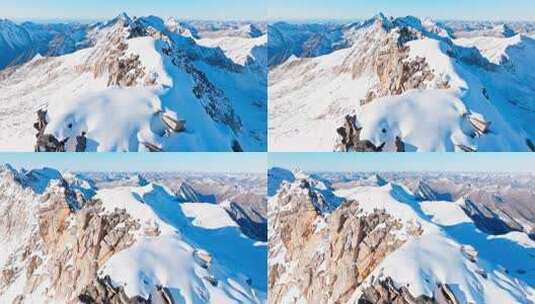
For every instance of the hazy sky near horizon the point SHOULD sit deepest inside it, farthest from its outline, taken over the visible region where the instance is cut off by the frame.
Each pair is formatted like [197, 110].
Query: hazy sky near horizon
[106, 9]
[405, 162]
[140, 162]
[436, 9]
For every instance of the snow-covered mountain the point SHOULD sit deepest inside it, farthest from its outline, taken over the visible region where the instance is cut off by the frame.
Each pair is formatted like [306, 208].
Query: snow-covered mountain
[64, 240]
[131, 84]
[400, 84]
[385, 244]
[242, 195]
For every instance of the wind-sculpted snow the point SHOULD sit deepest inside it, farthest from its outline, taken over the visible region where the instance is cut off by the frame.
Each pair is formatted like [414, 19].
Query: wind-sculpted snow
[223, 240]
[484, 82]
[182, 96]
[429, 251]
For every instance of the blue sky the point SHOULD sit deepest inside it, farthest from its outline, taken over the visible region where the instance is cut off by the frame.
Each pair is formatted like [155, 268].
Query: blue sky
[377, 162]
[438, 9]
[155, 162]
[104, 9]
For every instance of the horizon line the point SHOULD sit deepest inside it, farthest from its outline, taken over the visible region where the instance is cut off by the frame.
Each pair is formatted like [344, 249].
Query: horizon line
[101, 19]
[404, 171]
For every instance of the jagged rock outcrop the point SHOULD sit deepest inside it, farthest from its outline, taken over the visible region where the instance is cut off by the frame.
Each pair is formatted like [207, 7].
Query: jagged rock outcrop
[326, 255]
[349, 138]
[46, 142]
[383, 51]
[101, 290]
[386, 292]
[213, 100]
[425, 192]
[49, 143]
[61, 240]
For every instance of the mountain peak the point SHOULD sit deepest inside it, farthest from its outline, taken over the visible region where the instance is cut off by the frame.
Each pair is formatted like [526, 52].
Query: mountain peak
[505, 30]
[124, 16]
[382, 20]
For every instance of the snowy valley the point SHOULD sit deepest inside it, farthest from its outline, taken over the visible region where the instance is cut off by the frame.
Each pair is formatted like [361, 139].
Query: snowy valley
[400, 237]
[402, 84]
[132, 238]
[133, 84]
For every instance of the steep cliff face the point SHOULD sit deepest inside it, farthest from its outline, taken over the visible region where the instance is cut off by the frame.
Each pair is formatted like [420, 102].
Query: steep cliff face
[323, 258]
[56, 247]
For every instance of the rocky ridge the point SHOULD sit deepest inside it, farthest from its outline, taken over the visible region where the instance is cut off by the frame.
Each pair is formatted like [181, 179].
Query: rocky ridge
[310, 250]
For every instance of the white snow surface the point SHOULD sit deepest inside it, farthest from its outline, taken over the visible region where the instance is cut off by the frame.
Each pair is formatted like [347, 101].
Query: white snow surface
[237, 48]
[436, 256]
[168, 259]
[209, 216]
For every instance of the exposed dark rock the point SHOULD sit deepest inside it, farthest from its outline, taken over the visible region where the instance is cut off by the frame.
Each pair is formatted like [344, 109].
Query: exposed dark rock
[530, 144]
[349, 138]
[444, 295]
[172, 124]
[137, 29]
[102, 291]
[491, 221]
[46, 142]
[425, 193]
[49, 143]
[214, 101]
[466, 148]
[41, 123]
[480, 126]
[81, 142]
[485, 93]
[236, 147]
[385, 292]
[254, 229]
[151, 147]
[400, 145]
[126, 72]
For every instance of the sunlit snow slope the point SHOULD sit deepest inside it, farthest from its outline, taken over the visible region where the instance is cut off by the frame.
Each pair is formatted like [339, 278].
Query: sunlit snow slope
[139, 84]
[408, 79]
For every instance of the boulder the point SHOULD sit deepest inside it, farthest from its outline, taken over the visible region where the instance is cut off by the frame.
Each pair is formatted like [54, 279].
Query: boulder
[151, 147]
[386, 292]
[175, 125]
[81, 142]
[49, 143]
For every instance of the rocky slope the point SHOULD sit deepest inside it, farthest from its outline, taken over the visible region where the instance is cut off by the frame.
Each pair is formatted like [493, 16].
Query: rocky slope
[122, 245]
[383, 71]
[381, 245]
